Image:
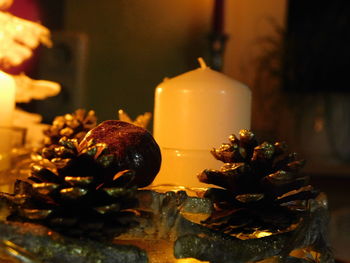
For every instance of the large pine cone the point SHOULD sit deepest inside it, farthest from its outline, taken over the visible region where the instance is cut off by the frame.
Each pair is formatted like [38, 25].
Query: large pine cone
[261, 188]
[74, 193]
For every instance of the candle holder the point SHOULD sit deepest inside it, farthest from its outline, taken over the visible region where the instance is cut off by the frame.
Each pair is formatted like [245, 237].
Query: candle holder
[217, 50]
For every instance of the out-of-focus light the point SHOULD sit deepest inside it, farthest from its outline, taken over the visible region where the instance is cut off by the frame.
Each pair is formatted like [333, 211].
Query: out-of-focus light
[18, 37]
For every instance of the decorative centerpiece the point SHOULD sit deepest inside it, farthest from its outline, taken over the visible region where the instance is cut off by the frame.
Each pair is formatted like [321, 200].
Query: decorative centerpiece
[263, 208]
[88, 199]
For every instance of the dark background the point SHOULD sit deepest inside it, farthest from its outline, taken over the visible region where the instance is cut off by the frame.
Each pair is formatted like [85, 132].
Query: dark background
[317, 53]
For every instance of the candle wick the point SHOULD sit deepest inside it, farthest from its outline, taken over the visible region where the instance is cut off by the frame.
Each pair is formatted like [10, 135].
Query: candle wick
[202, 63]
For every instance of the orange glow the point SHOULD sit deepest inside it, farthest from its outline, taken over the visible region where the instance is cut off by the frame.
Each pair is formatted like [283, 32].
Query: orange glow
[189, 260]
[263, 234]
[18, 37]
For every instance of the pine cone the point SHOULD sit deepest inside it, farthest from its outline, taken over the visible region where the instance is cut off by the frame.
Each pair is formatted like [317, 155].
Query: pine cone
[74, 193]
[74, 125]
[261, 188]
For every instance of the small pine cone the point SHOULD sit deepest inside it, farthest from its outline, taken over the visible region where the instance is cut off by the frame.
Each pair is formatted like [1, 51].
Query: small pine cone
[74, 125]
[260, 187]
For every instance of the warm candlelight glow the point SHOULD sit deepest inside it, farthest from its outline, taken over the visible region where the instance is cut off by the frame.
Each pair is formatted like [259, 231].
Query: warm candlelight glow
[7, 99]
[18, 38]
[189, 260]
[195, 112]
[7, 102]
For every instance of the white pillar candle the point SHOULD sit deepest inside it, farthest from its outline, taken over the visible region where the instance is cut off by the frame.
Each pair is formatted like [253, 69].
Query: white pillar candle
[7, 105]
[193, 113]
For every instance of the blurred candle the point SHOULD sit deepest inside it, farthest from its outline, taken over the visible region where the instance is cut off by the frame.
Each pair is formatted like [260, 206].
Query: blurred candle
[193, 113]
[7, 105]
[218, 17]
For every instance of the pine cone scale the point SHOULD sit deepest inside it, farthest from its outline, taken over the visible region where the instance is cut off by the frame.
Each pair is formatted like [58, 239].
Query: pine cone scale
[108, 208]
[45, 175]
[79, 180]
[36, 214]
[45, 188]
[73, 192]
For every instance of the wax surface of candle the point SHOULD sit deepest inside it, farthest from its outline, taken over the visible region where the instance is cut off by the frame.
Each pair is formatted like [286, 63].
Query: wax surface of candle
[195, 112]
[7, 105]
[7, 99]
